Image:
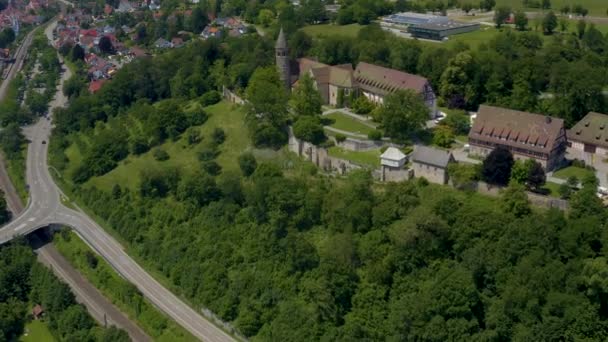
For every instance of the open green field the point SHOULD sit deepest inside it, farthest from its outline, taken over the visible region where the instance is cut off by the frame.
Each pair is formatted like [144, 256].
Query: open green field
[363, 158]
[596, 7]
[473, 39]
[104, 278]
[570, 171]
[350, 124]
[182, 156]
[333, 30]
[37, 331]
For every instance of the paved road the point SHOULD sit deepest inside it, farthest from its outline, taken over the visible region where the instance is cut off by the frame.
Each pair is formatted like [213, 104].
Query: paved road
[12, 198]
[98, 306]
[45, 208]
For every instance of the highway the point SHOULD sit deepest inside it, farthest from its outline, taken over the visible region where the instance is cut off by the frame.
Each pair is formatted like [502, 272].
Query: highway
[45, 208]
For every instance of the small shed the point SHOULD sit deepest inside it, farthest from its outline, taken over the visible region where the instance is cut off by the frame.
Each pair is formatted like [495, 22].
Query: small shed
[37, 311]
[431, 163]
[393, 157]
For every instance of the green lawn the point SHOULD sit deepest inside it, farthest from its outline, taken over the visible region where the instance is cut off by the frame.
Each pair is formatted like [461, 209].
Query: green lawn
[36, 331]
[553, 189]
[333, 30]
[182, 156]
[595, 7]
[350, 124]
[104, 278]
[473, 39]
[364, 158]
[570, 171]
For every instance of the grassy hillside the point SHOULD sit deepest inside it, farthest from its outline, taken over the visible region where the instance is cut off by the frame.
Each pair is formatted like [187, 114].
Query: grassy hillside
[181, 155]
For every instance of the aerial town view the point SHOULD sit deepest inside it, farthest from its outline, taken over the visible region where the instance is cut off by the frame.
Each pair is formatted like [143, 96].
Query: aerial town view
[303, 170]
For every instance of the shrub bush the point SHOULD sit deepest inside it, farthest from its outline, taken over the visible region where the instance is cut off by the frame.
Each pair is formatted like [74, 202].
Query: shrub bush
[160, 155]
[210, 98]
[375, 135]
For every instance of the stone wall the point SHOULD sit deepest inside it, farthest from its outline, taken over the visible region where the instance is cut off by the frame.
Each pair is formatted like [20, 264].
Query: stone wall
[535, 199]
[352, 144]
[232, 97]
[320, 156]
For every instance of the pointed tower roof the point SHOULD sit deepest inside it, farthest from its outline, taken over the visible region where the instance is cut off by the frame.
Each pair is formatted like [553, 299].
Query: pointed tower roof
[281, 41]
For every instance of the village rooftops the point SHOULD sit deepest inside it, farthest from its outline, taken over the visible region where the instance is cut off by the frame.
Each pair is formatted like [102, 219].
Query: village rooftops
[516, 129]
[383, 81]
[591, 130]
[432, 156]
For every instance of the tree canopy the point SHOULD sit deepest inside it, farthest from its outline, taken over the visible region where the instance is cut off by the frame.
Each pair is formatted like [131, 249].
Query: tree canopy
[403, 113]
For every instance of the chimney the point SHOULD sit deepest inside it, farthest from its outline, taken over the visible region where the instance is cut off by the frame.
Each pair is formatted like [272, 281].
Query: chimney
[547, 119]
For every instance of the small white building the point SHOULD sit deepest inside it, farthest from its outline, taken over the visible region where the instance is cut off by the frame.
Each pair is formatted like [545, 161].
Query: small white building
[392, 163]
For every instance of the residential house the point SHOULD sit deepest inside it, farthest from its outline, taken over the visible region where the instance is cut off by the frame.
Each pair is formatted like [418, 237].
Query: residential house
[526, 135]
[162, 43]
[589, 136]
[431, 163]
[211, 32]
[177, 42]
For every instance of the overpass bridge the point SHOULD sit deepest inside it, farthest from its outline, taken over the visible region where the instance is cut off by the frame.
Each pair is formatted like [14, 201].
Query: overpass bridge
[45, 208]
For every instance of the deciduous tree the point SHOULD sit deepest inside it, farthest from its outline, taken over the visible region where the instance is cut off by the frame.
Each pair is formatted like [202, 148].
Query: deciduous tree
[497, 166]
[403, 113]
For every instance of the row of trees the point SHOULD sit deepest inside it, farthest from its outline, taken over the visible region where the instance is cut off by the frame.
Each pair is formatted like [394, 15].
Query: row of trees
[26, 283]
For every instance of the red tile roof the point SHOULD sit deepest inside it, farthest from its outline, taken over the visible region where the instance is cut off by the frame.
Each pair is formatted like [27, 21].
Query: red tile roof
[95, 86]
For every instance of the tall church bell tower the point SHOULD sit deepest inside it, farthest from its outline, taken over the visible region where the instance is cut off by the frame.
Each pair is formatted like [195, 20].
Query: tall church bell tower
[282, 60]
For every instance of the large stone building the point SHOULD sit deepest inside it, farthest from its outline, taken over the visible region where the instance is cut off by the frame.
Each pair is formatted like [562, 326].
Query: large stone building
[590, 136]
[339, 81]
[526, 135]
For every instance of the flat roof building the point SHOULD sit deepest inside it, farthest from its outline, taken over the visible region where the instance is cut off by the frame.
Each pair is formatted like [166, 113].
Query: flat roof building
[411, 18]
[441, 30]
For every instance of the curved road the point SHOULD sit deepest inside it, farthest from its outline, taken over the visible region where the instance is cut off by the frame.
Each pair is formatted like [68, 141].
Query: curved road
[45, 209]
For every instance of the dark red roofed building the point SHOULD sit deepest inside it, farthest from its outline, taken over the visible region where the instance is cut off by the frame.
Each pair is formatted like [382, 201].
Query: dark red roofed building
[526, 135]
[96, 85]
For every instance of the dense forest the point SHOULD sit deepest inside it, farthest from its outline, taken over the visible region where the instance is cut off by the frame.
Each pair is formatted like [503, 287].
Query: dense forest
[25, 283]
[293, 256]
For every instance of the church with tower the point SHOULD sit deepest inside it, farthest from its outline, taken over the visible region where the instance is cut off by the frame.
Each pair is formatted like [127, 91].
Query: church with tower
[372, 81]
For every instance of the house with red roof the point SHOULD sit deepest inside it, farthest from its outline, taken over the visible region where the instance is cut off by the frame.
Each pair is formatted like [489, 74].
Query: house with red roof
[96, 85]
